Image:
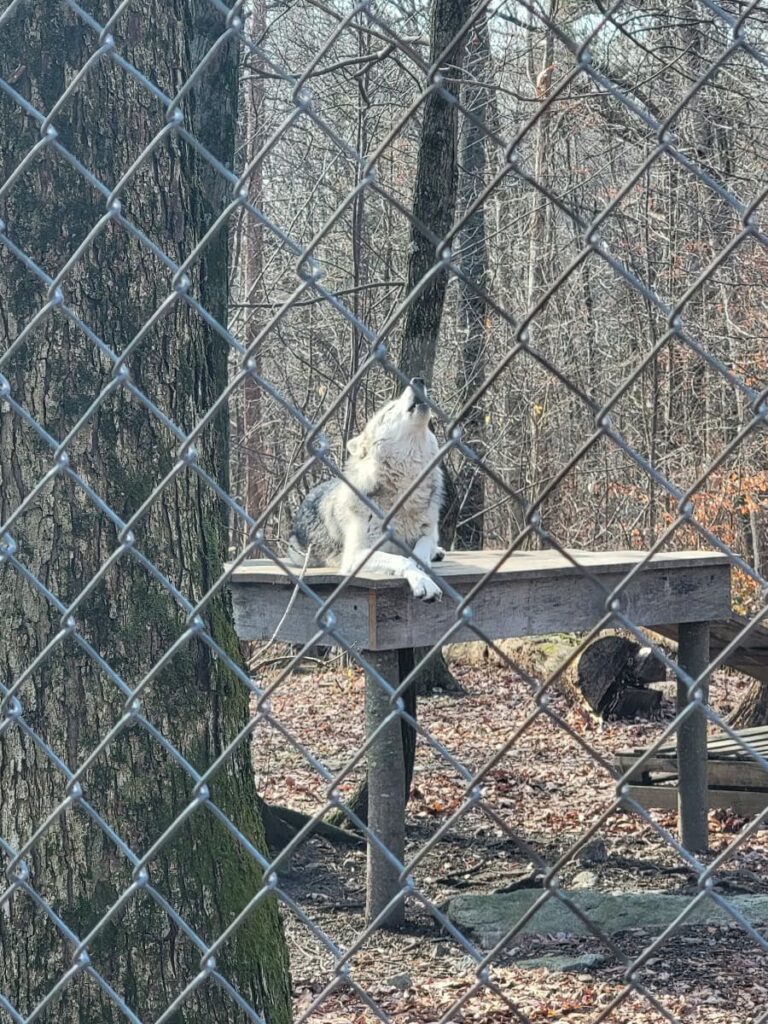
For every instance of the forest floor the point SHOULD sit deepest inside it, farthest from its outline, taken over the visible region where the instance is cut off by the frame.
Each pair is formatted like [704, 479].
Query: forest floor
[550, 790]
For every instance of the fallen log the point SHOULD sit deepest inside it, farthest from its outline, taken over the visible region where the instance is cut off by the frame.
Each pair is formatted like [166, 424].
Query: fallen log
[613, 673]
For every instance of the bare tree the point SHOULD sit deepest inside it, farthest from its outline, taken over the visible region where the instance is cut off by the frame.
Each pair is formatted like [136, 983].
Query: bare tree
[473, 308]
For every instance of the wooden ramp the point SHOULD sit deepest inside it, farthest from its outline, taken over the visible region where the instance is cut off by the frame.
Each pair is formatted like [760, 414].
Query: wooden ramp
[735, 779]
[751, 657]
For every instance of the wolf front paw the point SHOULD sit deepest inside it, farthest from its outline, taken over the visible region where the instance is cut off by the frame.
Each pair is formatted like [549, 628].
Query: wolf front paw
[439, 554]
[422, 586]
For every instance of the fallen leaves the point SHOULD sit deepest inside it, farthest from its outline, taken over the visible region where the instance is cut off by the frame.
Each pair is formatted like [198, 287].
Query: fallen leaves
[537, 781]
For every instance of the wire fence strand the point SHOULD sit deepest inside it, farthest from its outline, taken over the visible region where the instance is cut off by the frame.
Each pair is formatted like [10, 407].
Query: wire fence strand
[306, 284]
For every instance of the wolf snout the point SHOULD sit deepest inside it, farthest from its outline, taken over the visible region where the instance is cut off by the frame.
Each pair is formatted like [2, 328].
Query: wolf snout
[418, 390]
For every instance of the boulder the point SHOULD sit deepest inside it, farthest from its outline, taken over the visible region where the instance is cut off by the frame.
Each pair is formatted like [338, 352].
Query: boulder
[487, 919]
[558, 964]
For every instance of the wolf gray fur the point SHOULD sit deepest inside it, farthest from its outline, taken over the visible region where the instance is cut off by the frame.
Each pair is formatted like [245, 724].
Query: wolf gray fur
[338, 529]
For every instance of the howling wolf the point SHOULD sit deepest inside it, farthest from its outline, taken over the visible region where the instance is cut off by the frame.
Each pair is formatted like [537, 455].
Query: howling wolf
[337, 528]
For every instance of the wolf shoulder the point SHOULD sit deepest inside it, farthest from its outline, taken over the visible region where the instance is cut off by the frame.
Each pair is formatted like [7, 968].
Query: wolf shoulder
[312, 528]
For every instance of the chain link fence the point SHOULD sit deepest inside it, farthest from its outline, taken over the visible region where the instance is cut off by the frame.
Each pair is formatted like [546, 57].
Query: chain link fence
[35, 828]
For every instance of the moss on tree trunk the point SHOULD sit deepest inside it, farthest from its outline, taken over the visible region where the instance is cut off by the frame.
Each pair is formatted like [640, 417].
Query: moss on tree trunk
[122, 451]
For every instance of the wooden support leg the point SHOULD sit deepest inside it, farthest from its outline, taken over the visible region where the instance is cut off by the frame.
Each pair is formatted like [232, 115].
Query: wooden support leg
[407, 662]
[693, 798]
[386, 791]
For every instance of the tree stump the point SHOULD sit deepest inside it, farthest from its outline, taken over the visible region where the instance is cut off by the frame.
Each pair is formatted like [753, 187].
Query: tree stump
[613, 673]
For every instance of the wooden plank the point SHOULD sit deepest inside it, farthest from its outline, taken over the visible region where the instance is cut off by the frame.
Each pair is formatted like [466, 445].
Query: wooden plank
[520, 605]
[259, 610]
[746, 802]
[530, 606]
[666, 762]
[472, 566]
[744, 774]
[532, 593]
[751, 657]
[733, 755]
[752, 730]
[733, 749]
[756, 736]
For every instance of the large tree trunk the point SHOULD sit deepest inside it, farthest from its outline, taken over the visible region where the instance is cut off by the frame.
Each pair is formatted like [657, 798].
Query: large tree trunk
[122, 450]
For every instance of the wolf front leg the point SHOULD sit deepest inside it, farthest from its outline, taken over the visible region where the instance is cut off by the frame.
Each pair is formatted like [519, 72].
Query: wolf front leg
[395, 565]
[436, 553]
[421, 584]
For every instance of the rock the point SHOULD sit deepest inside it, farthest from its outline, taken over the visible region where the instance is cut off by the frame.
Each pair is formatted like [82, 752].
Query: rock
[593, 853]
[442, 949]
[399, 981]
[584, 880]
[488, 919]
[555, 963]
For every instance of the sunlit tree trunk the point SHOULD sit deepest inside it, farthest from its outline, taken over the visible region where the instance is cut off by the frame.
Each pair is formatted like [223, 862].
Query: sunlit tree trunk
[472, 305]
[255, 472]
[434, 204]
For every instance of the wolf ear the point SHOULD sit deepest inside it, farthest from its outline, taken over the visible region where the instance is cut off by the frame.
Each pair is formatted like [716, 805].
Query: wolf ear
[356, 445]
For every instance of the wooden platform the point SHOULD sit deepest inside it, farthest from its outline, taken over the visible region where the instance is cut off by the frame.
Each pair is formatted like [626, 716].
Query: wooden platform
[472, 566]
[525, 594]
[735, 779]
[531, 593]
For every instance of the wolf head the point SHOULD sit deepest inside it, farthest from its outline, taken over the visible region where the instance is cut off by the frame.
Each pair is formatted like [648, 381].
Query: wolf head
[399, 424]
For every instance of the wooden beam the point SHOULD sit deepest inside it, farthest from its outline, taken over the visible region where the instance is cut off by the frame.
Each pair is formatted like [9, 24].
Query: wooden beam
[742, 801]
[527, 597]
[733, 773]
[755, 735]
[750, 657]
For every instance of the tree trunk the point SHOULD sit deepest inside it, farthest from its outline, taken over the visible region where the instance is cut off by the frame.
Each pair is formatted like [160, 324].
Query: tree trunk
[434, 196]
[540, 266]
[538, 225]
[434, 203]
[753, 707]
[254, 470]
[122, 450]
[472, 305]
[613, 673]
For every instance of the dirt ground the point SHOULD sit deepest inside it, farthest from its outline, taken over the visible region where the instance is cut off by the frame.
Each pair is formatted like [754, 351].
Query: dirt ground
[546, 787]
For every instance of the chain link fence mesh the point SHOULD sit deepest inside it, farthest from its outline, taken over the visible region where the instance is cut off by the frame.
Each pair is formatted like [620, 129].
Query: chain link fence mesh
[743, 33]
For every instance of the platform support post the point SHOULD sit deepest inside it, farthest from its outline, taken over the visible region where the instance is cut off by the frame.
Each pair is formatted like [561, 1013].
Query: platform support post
[386, 792]
[693, 796]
